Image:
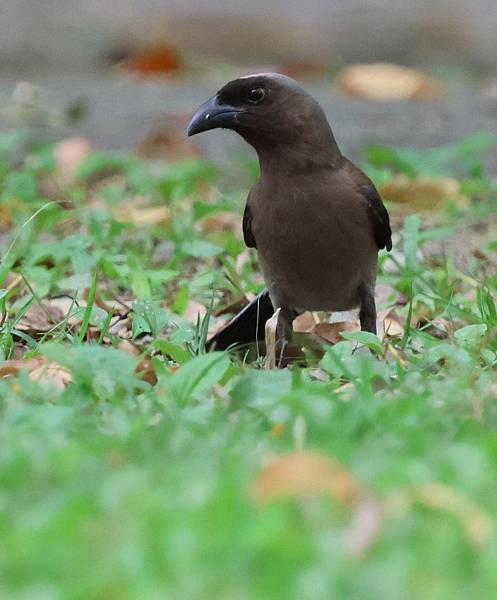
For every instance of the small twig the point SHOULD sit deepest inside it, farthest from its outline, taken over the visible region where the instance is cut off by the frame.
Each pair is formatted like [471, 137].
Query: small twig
[38, 299]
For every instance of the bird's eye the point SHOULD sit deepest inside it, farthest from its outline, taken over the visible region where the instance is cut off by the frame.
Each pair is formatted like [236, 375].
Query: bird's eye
[256, 95]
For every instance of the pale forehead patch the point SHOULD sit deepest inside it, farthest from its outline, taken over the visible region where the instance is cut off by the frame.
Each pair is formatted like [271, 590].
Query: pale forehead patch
[273, 75]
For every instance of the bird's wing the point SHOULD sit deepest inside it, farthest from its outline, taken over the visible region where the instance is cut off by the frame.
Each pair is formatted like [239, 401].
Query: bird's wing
[248, 235]
[378, 215]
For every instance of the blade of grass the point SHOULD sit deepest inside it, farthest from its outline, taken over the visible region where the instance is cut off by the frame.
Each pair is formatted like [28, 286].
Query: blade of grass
[407, 328]
[89, 306]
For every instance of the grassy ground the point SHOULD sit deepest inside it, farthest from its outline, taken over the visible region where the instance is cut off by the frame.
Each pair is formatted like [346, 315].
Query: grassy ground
[134, 465]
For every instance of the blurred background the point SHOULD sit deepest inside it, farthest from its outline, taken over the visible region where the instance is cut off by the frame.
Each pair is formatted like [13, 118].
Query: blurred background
[127, 73]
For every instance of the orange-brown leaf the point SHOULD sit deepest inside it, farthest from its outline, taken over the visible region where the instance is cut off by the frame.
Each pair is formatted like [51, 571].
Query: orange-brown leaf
[305, 474]
[423, 192]
[381, 82]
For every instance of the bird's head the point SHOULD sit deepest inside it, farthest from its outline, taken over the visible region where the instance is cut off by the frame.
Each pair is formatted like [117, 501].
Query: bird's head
[266, 109]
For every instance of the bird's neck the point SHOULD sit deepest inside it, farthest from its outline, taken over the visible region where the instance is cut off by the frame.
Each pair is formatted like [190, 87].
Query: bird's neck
[308, 146]
[303, 156]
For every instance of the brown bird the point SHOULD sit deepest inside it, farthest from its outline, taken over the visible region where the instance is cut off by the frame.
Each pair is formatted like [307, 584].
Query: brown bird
[316, 220]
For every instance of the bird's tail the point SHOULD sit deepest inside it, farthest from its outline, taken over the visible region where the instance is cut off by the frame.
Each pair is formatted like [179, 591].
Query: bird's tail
[246, 327]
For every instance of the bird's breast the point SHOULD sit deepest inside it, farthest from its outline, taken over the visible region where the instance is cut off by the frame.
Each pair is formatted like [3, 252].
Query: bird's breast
[313, 255]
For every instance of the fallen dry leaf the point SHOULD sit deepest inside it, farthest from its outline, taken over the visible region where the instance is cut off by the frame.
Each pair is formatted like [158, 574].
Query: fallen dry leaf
[305, 474]
[40, 318]
[129, 347]
[67, 306]
[115, 306]
[392, 327]
[141, 215]
[423, 192]
[161, 60]
[305, 322]
[222, 221]
[39, 369]
[308, 323]
[12, 280]
[330, 332]
[121, 327]
[168, 141]
[244, 258]
[278, 429]
[301, 69]
[69, 155]
[388, 323]
[386, 294]
[5, 216]
[194, 311]
[147, 371]
[381, 82]
[477, 523]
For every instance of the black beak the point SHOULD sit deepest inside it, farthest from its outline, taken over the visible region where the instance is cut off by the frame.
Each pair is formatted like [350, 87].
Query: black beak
[211, 115]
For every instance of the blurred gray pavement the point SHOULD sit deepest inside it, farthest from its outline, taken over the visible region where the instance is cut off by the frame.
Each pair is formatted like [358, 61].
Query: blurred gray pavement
[44, 35]
[123, 112]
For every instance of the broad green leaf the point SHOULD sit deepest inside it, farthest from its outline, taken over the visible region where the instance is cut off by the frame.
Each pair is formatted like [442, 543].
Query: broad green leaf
[364, 337]
[471, 335]
[198, 375]
[201, 249]
[175, 351]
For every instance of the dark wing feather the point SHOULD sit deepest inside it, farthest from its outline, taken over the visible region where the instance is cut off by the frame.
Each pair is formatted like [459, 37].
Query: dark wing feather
[246, 327]
[248, 235]
[379, 216]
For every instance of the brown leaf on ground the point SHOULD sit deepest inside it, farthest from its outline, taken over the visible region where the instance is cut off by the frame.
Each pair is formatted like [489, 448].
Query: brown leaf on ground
[5, 216]
[136, 212]
[222, 221]
[477, 523]
[301, 69]
[113, 305]
[67, 306]
[382, 82]
[423, 192]
[12, 280]
[386, 295]
[194, 311]
[157, 61]
[69, 155]
[39, 369]
[121, 327]
[40, 318]
[129, 347]
[278, 429]
[305, 474]
[393, 327]
[389, 322]
[244, 258]
[330, 332]
[305, 322]
[308, 323]
[146, 370]
[168, 141]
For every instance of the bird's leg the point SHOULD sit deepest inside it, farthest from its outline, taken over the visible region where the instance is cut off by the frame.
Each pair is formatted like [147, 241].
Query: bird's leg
[284, 330]
[367, 312]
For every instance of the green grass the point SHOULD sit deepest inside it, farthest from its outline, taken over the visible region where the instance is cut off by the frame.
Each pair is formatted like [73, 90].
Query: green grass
[118, 487]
